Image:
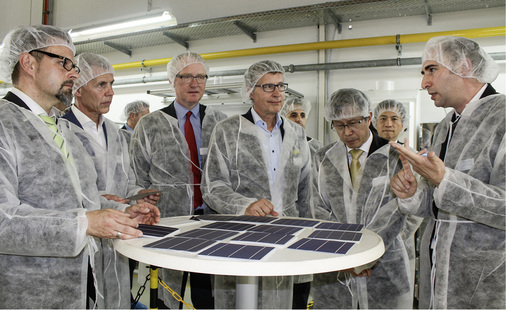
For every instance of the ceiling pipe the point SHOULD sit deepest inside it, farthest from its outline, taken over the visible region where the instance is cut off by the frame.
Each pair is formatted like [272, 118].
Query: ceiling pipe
[291, 48]
[291, 68]
[304, 68]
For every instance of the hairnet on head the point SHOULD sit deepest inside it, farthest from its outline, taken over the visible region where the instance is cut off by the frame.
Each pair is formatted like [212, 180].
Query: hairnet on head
[92, 66]
[135, 107]
[293, 104]
[462, 56]
[181, 61]
[28, 38]
[391, 106]
[255, 73]
[347, 103]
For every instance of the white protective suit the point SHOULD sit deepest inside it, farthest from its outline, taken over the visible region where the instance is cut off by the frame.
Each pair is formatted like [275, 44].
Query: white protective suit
[115, 177]
[43, 256]
[469, 237]
[161, 160]
[374, 206]
[236, 175]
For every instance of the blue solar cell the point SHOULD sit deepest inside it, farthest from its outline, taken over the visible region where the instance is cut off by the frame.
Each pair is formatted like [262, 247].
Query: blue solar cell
[237, 251]
[156, 230]
[331, 246]
[296, 222]
[351, 236]
[263, 238]
[318, 245]
[336, 235]
[229, 226]
[213, 234]
[181, 244]
[274, 229]
[345, 248]
[215, 217]
[340, 226]
[254, 219]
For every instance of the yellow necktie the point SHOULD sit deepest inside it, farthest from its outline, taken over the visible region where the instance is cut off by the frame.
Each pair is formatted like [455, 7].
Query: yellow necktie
[355, 164]
[50, 122]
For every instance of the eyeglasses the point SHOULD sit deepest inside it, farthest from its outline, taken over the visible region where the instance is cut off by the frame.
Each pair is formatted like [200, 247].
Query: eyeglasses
[188, 78]
[355, 124]
[66, 63]
[269, 88]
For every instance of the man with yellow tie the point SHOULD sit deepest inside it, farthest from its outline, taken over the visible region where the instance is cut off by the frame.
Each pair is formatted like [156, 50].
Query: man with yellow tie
[352, 182]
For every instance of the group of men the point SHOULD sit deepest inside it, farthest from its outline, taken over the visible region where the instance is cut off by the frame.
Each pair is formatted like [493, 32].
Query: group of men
[66, 183]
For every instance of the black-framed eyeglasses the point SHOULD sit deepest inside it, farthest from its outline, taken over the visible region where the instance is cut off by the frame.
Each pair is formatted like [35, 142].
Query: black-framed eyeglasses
[66, 63]
[355, 124]
[269, 88]
[188, 78]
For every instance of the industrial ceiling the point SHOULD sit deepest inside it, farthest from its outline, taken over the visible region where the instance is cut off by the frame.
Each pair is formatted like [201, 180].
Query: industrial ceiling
[336, 13]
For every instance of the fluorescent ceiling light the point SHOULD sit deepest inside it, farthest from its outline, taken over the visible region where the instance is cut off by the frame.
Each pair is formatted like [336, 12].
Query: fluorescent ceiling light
[165, 20]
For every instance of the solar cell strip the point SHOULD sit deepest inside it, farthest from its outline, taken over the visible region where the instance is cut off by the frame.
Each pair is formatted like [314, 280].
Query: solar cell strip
[210, 234]
[340, 226]
[254, 219]
[216, 217]
[181, 244]
[275, 229]
[229, 226]
[296, 222]
[230, 250]
[156, 230]
[319, 245]
[263, 238]
[336, 235]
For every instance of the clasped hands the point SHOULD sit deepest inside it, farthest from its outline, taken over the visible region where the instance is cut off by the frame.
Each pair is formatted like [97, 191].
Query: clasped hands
[111, 223]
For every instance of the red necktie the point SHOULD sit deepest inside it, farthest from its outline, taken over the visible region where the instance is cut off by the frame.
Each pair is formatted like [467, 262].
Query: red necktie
[195, 167]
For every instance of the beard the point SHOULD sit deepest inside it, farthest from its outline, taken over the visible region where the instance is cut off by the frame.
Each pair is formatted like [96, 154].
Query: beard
[66, 96]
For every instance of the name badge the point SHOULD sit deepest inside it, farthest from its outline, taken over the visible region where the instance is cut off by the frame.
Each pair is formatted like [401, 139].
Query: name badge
[203, 151]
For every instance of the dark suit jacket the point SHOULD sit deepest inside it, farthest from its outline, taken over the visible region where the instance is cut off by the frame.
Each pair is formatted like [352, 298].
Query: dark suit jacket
[489, 91]
[16, 100]
[377, 142]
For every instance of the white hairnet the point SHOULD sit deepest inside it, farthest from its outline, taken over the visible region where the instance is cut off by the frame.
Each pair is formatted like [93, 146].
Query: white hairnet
[136, 107]
[255, 73]
[391, 106]
[91, 65]
[347, 103]
[181, 61]
[462, 56]
[296, 104]
[28, 38]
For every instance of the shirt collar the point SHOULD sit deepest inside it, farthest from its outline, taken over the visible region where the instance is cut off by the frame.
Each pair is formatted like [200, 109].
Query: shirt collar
[260, 122]
[364, 147]
[32, 105]
[128, 127]
[181, 111]
[84, 119]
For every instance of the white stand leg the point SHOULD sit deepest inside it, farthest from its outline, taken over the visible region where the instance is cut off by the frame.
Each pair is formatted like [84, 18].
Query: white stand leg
[247, 293]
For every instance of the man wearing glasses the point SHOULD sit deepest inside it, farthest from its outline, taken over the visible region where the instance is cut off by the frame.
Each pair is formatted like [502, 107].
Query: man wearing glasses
[259, 164]
[168, 149]
[50, 210]
[353, 186]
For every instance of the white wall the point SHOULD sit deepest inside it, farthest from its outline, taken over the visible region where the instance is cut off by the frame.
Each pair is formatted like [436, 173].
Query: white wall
[401, 83]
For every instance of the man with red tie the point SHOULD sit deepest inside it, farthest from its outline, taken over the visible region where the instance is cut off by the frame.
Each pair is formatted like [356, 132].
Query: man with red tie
[168, 149]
